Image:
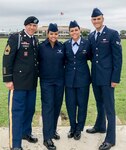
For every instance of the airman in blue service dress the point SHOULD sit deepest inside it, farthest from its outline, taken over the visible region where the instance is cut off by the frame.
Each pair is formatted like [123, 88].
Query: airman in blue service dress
[20, 73]
[51, 67]
[77, 80]
[106, 69]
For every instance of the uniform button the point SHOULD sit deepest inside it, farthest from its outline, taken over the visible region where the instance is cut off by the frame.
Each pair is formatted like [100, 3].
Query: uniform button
[96, 61]
[25, 48]
[74, 68]
[74, 62]
[20, 71]
[96, 48]
[96, 54]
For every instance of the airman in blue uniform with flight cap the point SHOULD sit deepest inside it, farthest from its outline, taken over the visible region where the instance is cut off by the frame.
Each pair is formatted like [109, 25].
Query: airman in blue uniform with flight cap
[20, 73]
[51, 67]
[106, 69]
[77, 80]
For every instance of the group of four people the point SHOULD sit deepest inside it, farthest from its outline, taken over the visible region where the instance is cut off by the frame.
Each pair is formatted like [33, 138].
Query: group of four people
[60, 65]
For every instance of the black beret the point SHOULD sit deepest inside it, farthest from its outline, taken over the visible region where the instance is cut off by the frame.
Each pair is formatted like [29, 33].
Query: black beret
[73, 24]
[53, 27]
[31, 19]
[96, 12]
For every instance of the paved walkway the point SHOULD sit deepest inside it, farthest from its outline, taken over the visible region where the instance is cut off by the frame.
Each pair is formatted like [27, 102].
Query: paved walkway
[87, 141]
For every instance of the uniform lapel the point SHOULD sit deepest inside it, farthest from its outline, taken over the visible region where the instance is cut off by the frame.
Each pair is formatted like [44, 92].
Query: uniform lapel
[104, 32]
[101, 37]
[70, 46]
[93, 37]
[80, 46]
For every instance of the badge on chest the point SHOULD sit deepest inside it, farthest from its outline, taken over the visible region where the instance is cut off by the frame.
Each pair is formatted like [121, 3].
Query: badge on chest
[104, 41]
[25, 53]
[25, 44]
[59, 51]
[84, 51]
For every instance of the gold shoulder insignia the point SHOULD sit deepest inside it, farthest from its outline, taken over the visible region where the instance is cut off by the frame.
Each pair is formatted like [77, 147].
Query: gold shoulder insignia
[7, 50]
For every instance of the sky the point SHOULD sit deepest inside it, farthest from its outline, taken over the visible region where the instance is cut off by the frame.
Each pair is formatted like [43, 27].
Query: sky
[14, 12]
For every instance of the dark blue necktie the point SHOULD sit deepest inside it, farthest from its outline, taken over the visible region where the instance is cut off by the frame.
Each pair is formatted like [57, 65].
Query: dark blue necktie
[98, 35]
[75, 44]
[31, 41]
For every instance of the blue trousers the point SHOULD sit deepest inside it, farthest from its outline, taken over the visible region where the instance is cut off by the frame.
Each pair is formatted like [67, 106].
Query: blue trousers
[104, 96]
[76, 103]
[52, 97]
[21, 110]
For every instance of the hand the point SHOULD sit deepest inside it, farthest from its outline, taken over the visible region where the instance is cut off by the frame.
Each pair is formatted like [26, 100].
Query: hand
[9, 85]
[113, 84]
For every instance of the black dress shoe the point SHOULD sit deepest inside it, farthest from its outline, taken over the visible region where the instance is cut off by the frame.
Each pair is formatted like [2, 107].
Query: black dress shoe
[30, 138]
[56, 136]
[16, 148]
[93, 130]
[49, 144]
[70, 134]
[77, 135]
[105, 146]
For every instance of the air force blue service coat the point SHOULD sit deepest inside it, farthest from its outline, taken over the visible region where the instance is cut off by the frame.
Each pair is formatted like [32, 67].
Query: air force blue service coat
[77, 72]
[107, 57]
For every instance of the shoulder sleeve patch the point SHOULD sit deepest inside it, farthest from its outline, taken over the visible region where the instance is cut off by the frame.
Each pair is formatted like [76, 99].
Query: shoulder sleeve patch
[7, 50]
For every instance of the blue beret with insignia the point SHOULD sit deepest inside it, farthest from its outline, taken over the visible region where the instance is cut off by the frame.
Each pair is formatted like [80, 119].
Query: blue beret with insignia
[31, 19]
[53, 27]
[73, 24]
[96, 12]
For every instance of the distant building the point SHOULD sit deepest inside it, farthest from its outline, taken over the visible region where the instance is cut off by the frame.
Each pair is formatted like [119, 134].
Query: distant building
[63, 31]
[4, 34]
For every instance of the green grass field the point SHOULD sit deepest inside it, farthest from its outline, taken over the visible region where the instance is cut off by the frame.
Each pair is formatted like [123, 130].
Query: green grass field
[120, 96]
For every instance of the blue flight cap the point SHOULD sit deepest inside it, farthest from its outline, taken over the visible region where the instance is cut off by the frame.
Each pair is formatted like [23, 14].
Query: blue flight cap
[31, 19]
[96, 12]
[53, 27]
[73, 24]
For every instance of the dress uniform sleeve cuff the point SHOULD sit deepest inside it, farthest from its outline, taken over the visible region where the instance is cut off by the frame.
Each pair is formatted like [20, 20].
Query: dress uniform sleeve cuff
[7, 78]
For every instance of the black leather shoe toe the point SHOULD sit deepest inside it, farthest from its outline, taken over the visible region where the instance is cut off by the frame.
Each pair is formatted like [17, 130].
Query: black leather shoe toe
[70, 134]
[93, 130]
[16, 148]
[77, 135]
[56, 136]
[49, 144]
[30, 138]
[105, 146]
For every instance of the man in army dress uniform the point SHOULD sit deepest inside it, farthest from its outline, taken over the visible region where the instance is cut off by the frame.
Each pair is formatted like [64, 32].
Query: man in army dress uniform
[20, 73]
[106, 69]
